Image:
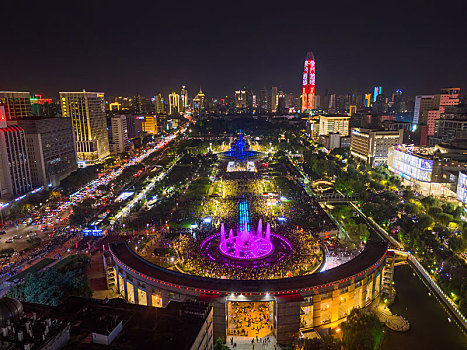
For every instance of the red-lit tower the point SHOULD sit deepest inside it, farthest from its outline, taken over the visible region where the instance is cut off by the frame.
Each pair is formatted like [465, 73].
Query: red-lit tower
[308, 87]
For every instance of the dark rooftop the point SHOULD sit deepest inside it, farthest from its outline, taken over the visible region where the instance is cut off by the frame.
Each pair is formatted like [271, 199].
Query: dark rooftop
[174, 327]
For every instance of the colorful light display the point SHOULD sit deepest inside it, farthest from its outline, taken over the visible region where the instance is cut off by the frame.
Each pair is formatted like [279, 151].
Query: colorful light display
[308, 85]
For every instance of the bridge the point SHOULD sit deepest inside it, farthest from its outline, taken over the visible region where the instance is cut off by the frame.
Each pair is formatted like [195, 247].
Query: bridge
[336, 197]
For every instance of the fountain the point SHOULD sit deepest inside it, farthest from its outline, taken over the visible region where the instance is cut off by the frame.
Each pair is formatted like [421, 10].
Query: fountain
[246, 244]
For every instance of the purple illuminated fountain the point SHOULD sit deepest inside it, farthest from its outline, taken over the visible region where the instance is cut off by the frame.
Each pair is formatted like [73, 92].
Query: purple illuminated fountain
[246, 244]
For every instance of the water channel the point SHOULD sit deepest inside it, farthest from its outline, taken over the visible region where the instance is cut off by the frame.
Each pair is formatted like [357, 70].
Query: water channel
[430, 327]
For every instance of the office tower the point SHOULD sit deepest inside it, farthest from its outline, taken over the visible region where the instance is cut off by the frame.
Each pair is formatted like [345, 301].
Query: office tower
[450, 130]
[42, 107]
[263, 100]
[332, 103]
[334, 123]
[159, 102]
[240, 98]
[250, 99]
[447, 99]
[174, 103]
[15, 176]
[281, 103]
[308, 83]
[119, 134]
[423, 103]
[317, 101]
[134, 125]
[367, 100]
[372, 146]
[292, 101]
[198, 102]
[273, 102]
[150, 124]
[376, 91]
[50, 145]
[183, 98]
[17, 104]
[87, 112]
[137, 105]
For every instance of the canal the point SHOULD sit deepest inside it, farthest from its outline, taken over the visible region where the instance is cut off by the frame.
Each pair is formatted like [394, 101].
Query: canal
[430, 328]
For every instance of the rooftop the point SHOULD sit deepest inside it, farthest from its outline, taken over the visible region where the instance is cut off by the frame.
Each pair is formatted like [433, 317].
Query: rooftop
[174, 327]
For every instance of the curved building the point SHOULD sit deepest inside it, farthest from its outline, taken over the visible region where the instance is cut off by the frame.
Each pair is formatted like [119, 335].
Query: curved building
[308, 84]
[317, 301]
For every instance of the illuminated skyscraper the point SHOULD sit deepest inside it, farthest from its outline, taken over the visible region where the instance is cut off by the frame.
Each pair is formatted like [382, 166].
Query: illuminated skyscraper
[274, 93]
[174, 103]
[376, 91]
[240, 98]
[15, 176]
[17, 104]
[87, 112]
[159, 100]
[308, 85]
[183, 98]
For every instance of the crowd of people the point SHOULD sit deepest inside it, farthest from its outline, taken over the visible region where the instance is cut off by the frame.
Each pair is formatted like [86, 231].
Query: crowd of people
[304, 258]
[250, 319]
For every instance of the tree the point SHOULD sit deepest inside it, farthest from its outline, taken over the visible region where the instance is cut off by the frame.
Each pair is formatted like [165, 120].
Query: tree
[361, 331]
[360, 233]
[458, 244]
[220, 345]
[55, 284]
[424, 221]
[410, 208]
[54, 196]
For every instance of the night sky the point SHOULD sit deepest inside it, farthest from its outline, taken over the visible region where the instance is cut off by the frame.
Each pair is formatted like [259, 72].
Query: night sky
[121, 47]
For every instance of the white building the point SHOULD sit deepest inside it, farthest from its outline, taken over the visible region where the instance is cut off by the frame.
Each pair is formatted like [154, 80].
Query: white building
[120, 142]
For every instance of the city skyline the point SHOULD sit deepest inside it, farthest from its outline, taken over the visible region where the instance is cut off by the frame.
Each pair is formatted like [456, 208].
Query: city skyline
[352, 48]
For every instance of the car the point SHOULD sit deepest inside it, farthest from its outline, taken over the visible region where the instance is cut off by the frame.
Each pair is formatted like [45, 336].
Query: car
[17, 237]
[2, 232]
[9, 240]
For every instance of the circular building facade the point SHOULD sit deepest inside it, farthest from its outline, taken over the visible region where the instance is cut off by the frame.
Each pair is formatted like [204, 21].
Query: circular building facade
[286, 305]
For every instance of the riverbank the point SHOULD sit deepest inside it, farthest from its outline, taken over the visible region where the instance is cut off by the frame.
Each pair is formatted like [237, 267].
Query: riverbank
[429, 325]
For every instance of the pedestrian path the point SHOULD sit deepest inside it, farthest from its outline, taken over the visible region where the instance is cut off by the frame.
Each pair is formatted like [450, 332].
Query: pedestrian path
[244, 343]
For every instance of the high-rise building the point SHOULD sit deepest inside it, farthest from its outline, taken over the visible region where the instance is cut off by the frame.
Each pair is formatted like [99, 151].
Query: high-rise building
[87, 112]
[15, 176]
[159, 102]
[240, 98]
[174, 103]
[334, 123]
[377, 90]
[429, 108]
[198, 102]
[17, 104]
[137, 105]
[42, 107]
[423, 103]
[134, 125]
[50, 144]
[308, 83]
[372, 146]
[281, 103]
[119, 130]
[274, 93]
[367, 100]
[449, 131]
[183, 98]
[150, 124]
[263, 100]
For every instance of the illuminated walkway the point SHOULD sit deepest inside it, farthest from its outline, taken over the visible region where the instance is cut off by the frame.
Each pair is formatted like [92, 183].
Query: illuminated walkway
[244, 343]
